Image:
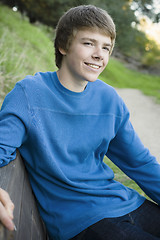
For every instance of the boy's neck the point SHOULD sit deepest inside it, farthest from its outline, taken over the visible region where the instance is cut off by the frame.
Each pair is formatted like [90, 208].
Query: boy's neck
[74, 86]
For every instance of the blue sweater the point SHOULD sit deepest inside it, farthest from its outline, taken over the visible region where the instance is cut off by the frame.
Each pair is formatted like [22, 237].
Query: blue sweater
[63, 137]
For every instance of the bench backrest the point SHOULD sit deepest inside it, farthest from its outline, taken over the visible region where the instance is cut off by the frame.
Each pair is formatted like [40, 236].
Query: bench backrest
[14, 179]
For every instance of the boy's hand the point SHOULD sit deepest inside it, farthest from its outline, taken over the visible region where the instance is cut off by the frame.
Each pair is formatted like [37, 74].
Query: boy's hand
[6, 210]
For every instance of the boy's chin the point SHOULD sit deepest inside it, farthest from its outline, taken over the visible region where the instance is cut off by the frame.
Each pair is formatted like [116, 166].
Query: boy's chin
[93, 79]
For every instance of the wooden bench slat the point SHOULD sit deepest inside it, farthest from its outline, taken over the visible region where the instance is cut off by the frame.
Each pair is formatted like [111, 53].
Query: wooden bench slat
[14, 179]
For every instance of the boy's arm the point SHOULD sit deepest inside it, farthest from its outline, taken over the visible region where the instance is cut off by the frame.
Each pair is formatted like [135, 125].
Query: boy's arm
[14, 121]
[6, 210]
[12, 133]
[128, 152]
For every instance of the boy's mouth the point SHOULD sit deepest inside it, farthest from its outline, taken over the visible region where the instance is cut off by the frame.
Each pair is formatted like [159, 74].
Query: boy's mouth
[93, 65]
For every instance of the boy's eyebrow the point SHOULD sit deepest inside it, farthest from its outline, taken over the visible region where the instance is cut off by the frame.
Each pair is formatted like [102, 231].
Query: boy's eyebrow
[94, 40]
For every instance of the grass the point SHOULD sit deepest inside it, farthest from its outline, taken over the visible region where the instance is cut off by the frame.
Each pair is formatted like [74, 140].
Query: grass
[117, 75]
[26, 49]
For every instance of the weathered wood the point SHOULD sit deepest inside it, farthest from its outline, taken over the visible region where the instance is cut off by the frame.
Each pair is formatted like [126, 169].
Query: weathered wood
[14, 179]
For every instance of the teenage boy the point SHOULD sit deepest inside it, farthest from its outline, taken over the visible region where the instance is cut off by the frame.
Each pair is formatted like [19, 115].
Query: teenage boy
[63, 124]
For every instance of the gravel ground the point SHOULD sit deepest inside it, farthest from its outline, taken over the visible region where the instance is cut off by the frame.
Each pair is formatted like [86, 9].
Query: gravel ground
[145, 117]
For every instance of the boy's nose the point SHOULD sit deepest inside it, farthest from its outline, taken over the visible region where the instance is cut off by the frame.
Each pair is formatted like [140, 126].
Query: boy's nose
[98, 55]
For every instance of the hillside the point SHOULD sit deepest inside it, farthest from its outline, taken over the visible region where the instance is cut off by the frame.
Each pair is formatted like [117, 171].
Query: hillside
[26, 49]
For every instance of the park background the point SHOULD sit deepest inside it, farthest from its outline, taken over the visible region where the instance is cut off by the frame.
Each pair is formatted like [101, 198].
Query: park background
[26, 45]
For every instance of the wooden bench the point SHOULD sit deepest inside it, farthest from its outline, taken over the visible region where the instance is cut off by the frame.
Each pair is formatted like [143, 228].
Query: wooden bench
[14, 179]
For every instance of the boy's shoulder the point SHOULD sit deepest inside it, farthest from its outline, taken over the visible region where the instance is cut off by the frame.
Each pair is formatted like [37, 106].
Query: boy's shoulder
[109, 96]
[105, 88]
[38, 79]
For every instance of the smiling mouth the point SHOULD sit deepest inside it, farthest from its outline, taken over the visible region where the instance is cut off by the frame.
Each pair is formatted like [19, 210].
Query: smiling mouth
[93, 65]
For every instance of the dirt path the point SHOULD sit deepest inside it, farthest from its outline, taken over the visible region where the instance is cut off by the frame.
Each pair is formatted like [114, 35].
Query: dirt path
[145, 117]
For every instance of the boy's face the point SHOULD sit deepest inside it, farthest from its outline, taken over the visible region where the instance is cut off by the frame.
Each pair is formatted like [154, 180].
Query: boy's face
[86, 57]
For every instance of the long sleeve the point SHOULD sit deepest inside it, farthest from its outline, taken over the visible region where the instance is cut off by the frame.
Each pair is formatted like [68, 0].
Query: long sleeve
[129, 154]
[14, 118]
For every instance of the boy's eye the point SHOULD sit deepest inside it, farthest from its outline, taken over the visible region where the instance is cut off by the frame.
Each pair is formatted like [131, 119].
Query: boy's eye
[106, 48]
[88, 43]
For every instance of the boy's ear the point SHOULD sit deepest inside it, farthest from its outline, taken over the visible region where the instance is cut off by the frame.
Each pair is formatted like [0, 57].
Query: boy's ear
[62, 51]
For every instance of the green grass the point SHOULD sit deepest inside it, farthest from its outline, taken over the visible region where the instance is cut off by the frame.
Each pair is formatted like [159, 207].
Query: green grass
[117, 75]
[26, 49]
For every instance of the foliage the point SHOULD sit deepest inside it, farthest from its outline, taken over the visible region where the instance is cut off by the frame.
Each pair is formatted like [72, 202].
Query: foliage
[148, 8]
[45, 11]
[152, 55]
[126, 36]
[130, 41]
[24, 49]
[34, 9]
